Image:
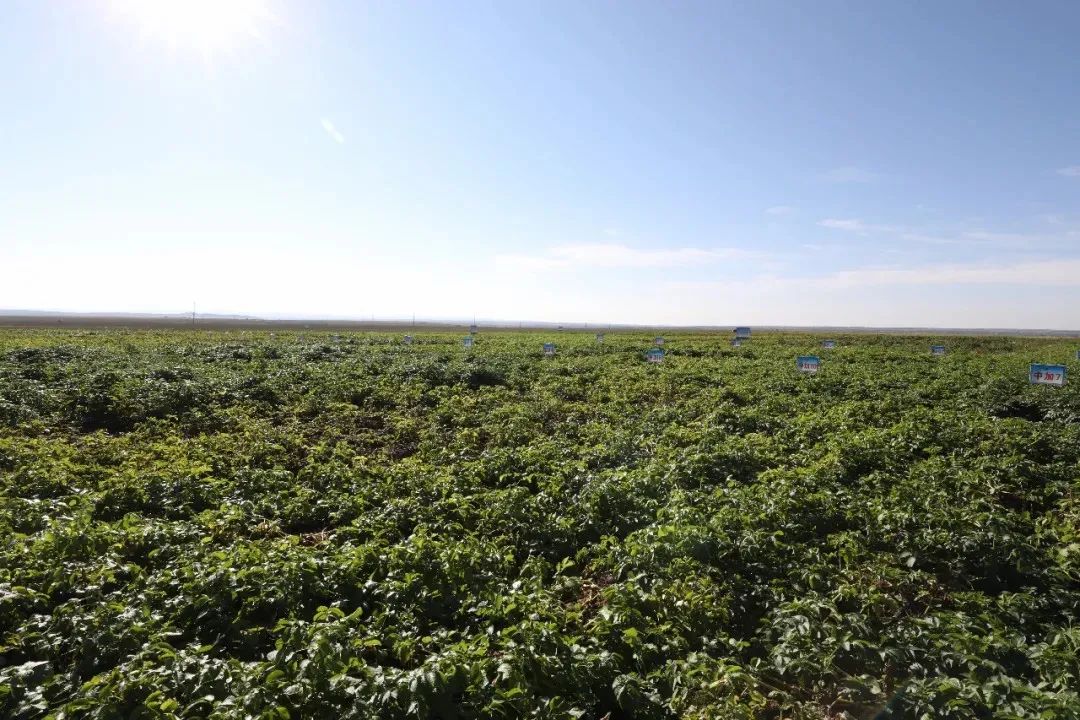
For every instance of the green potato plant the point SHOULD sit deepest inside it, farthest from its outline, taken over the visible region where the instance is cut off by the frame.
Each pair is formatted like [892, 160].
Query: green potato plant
[243, 525]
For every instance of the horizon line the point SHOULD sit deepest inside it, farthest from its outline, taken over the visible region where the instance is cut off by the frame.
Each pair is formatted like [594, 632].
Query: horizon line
[173, 319]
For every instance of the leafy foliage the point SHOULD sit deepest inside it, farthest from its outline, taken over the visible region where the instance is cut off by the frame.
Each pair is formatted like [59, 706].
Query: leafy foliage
[246, 525]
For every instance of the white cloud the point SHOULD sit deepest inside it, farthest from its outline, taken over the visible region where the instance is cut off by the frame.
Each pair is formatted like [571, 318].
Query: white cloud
[1013, 239]
[919, 237]
[851, 224]
[1063, 273]
[849, 174]
[528, 262]
[1035, 273]
[982, 238]
[333, 131]
[780, 210]
[612, 255]
[1071, 171]
[860, 227]
[910, 297]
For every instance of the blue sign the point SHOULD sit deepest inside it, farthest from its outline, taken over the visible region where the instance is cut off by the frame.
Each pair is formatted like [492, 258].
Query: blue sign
[658, 341]
[549, 348]
[1039, 374]
[937, 349]
[655, 355]
[467, 342]
[808, 363]
[742, 333]
[828, 344]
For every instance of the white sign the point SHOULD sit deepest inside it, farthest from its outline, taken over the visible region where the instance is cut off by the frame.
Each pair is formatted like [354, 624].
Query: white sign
[408, 340]
[467, 342]
[655, 355]
[1039, 374]
[937, 350]
[808, 363]
[600, 338]
[658, 341]
[828, 344]
[549, 349]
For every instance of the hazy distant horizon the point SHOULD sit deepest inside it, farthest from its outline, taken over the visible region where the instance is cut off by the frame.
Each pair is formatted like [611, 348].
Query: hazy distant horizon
[72, 319]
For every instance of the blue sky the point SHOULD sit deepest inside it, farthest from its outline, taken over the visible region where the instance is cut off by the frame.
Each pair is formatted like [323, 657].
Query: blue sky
[692, 162]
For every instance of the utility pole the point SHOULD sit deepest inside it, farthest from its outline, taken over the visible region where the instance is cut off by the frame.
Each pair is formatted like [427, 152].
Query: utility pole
[192, 313]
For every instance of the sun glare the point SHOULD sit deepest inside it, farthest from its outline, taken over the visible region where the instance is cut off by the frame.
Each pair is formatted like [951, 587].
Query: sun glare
[209, 27]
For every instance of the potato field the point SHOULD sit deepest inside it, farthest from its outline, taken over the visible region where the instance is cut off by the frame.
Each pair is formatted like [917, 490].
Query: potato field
[281, 525]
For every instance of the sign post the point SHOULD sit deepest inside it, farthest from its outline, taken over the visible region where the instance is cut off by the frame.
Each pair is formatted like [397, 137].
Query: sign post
[808, 364]
[549, 349]
[658, 341]
[468, 342]
[655, 355]
[736, 342]
[937, 350]
[1041, 374]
